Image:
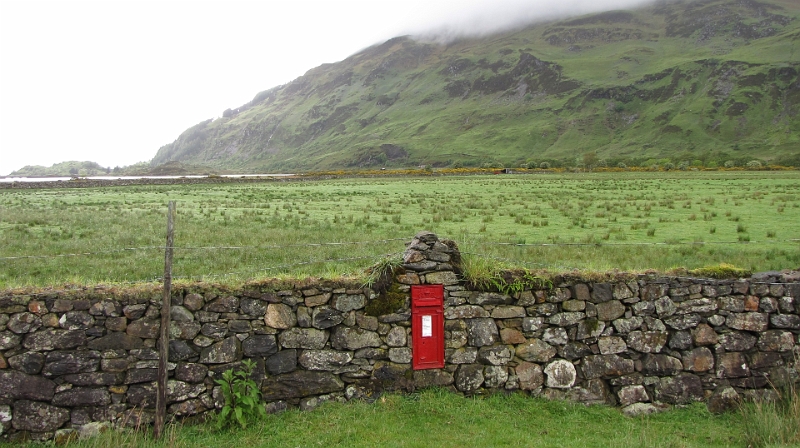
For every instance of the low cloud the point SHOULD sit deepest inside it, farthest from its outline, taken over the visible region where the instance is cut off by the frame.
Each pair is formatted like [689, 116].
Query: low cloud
[447, 21]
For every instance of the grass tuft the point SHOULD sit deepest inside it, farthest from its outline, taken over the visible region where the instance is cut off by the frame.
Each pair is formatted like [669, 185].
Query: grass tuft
[773, 422]
[720, 271]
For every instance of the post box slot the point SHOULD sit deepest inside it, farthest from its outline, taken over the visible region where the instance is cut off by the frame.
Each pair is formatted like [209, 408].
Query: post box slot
[427, 295]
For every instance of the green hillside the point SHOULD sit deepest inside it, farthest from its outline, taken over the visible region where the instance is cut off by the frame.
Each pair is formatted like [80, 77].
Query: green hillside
[71, 168]
[694, 82]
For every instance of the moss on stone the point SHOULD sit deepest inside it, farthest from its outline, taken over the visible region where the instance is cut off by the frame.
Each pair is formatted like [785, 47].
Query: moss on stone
[388, 302]
[720, 271]
[592, 325]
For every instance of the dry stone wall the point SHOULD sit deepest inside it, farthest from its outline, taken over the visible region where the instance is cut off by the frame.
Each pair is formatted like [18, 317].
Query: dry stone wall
[71, 359]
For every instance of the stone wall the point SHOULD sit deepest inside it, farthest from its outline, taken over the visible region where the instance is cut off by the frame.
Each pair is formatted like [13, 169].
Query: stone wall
[645, 342]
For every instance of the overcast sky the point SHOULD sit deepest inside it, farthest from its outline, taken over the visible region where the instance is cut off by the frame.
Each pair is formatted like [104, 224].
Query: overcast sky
[112, 81]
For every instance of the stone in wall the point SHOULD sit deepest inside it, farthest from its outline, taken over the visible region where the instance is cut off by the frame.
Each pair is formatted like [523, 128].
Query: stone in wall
[640, 342]
[681, 389]
[530, 375]
[82, 396]
[432, 378]
[259, 345]
[632, 394]
[660, 365]
[495, 376]
[280, 316]
[226, 351]
[789, 321]
[9, 340]
[72, 361]
[481, 332]
[598, 366]
[285, 361]
[610, 310]
[181, 351]
[309, 338]
[17, 385]
[38, 417]
[22, 323]
[647, 341]
[347, 338]
[698, 360]
[348, 302]
[495, 356]
[51, 339]
[535, 350]
[27, 362]
[560, 374]
[737, 341]
[228, 304]
[469, 377]
[326, 317]
[324, 359]
[776, 341]
[300, 383]
[144, 328]
[748, 321]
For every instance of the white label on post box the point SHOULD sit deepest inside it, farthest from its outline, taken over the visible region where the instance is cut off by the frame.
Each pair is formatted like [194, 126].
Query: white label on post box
[427, 327]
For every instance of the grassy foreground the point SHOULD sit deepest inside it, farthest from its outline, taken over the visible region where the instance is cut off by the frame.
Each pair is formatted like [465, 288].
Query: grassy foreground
[236, 232]
[443, 419]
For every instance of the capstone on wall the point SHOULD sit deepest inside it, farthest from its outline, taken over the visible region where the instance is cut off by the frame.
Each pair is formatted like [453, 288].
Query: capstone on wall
[71, 359]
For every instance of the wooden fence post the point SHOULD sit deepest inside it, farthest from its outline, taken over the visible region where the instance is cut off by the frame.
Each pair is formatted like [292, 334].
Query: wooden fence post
[163, 353]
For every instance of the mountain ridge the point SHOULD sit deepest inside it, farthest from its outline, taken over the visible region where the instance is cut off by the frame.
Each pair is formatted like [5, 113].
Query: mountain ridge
[708, 81]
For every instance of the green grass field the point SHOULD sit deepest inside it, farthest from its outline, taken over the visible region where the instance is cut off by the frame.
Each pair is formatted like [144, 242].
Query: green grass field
[438, 418]
[235, 232]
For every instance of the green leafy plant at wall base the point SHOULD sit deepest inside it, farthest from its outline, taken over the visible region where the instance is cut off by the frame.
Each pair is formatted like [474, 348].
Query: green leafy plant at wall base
[243, 401]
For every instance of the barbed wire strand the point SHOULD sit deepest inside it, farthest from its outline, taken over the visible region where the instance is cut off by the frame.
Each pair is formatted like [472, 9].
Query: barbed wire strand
[345, 243]
[676, 243]
[291, 265]
[517, 261]
[284, 266]
[79, 254]
[211, 276]
[566, 268]
[271, 247]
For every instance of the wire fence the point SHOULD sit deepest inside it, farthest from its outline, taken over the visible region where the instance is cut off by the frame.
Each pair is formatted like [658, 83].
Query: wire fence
[503, 253]
[354, 243]
[254, 274]
[666, 243]
[255, 261]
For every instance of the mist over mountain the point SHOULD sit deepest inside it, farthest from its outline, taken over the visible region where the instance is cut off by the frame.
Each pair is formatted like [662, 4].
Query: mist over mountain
[700, 82]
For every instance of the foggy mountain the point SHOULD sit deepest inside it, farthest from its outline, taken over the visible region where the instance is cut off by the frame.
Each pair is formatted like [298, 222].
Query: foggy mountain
[699, 82]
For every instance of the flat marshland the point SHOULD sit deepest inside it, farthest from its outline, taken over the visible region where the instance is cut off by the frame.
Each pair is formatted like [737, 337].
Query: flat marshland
[629, 221]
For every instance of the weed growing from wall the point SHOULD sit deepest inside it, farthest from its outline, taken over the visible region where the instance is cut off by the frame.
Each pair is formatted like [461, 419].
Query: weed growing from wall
[243, 401]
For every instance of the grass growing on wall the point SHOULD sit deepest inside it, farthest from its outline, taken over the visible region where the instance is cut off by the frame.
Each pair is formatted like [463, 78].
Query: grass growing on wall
[443, 419]
[235, 232]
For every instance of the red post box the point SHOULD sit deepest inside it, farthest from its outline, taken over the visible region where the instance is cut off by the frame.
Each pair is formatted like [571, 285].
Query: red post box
[427, 326]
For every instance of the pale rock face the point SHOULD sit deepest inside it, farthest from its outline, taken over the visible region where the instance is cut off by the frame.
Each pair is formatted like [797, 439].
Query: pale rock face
[610, 345]
[560, 374]
[280, 316]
